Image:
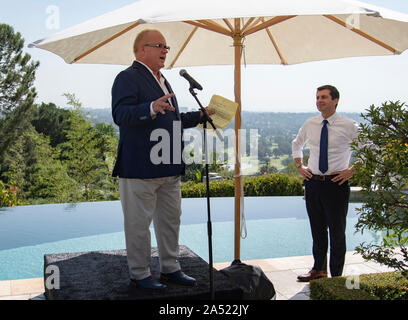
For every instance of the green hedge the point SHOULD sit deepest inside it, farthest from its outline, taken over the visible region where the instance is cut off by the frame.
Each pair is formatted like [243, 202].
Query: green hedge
[376, 286]
[268, 185]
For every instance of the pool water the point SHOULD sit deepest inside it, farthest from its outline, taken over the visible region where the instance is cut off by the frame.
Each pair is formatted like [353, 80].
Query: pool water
[276, 227]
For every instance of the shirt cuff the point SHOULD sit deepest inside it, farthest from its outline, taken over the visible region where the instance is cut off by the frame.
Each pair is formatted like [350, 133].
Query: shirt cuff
[297, 154]
[152, 113]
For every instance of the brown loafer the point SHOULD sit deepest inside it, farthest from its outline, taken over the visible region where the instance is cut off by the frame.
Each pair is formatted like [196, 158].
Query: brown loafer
[313, 274]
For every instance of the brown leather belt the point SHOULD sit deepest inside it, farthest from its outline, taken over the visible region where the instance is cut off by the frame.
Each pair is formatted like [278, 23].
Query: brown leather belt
[323, 178]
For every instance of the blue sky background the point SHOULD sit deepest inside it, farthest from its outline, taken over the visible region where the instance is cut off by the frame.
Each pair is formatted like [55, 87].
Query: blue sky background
[361, 81]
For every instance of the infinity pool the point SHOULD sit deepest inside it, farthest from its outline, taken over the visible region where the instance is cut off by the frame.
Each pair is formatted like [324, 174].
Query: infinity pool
[276, 227]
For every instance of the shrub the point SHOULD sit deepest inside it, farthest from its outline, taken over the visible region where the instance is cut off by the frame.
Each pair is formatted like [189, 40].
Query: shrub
[376, 286]
[191, 189]
[268, 185]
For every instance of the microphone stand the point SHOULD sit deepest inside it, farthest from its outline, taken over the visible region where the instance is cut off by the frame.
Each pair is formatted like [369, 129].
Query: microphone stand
[206, 118]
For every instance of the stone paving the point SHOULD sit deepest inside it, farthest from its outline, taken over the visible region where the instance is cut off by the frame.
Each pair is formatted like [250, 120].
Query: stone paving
[281, 271]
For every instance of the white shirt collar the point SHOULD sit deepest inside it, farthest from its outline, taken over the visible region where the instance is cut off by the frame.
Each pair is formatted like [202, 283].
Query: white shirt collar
[330, 119]
[161, 76]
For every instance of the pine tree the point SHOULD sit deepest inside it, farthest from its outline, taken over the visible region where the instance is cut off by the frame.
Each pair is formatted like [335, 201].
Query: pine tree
[81, 155]
[17, 93]
[48, 178]
[52, 122]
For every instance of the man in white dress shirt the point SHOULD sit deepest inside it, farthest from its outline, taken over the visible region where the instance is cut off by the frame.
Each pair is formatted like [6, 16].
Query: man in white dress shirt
[326, 176]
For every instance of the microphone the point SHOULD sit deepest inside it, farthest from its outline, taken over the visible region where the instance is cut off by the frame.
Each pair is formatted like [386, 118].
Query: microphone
[193, 84]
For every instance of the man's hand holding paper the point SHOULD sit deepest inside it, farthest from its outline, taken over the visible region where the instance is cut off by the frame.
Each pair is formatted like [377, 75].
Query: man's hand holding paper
[222, 111]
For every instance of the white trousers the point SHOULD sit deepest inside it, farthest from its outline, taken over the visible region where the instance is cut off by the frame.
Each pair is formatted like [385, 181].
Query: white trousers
[144, 200]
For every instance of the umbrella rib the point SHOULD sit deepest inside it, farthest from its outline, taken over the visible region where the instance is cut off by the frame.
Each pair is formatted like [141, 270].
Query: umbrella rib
[267, 24]
[275, 44]
[105, 42]
[362, 33]
[183, 47]
[209, 27]
[248, 23]
[213, 24]
[229, 25]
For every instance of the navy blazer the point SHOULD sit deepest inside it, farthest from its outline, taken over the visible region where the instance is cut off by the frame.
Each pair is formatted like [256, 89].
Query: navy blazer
[134, 89]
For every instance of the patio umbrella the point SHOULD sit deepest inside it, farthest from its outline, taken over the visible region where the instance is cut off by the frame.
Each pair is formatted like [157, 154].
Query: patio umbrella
[232, 32]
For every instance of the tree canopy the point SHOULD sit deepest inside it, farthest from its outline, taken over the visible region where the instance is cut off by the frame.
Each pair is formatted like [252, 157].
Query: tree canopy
[17, 93]
[47, 153]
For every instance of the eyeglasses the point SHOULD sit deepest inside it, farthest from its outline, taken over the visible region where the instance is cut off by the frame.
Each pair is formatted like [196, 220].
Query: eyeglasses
[161, 46]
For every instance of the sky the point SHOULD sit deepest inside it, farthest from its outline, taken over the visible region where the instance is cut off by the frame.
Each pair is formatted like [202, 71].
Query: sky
[267, 88]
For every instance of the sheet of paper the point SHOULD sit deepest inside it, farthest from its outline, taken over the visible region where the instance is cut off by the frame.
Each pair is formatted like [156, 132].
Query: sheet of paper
[224, 111]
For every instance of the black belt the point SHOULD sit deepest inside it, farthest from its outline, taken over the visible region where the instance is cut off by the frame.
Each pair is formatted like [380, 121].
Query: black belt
[323, 178]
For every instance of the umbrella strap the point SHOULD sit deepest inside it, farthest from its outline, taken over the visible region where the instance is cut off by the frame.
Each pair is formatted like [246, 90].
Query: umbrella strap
[244, 232]
[243, 51]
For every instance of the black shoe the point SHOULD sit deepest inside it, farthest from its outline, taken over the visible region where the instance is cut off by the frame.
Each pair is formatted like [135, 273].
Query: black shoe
[147, 283]
[178, 277]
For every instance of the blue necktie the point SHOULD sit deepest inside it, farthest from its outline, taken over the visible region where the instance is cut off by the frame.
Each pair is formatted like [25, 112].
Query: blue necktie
[323, 162]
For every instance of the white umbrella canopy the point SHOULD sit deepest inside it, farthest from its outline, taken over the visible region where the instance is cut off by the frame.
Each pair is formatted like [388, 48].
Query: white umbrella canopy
[232, 32]
[275, 32]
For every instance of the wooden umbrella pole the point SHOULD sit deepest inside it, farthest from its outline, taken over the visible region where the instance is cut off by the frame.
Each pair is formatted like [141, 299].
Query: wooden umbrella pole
[237, 90]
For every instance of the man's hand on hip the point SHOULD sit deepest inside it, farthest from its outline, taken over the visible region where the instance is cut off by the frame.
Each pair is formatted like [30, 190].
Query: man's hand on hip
[343, 176]
[305, 172]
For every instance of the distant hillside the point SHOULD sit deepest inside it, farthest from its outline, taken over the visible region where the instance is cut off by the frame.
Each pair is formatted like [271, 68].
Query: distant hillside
[104, 116]
[268, 123]
[100, 116]
[280, 123]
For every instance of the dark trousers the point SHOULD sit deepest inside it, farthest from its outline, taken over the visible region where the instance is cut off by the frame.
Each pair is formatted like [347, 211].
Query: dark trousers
[327, 205]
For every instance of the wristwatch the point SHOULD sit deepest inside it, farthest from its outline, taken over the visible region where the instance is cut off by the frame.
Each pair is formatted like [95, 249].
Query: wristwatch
[298, 165]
